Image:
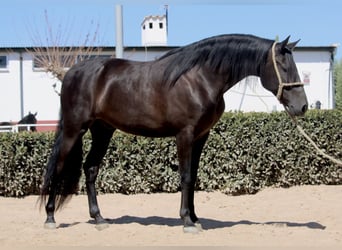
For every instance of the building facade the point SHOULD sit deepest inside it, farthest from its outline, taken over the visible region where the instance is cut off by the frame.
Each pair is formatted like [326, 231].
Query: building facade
[25, 87]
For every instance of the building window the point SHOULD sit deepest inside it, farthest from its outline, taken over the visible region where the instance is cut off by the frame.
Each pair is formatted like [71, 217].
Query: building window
[40, 62]
[3, 62]
[151, 25]
[160, 25]
[143, 26]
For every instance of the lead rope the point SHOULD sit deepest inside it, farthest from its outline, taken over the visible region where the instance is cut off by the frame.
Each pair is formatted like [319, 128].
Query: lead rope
[294, 120]
[320, 151]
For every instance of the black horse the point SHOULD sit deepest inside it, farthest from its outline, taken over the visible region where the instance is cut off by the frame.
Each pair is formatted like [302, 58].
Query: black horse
[25, 124]
[180, 94]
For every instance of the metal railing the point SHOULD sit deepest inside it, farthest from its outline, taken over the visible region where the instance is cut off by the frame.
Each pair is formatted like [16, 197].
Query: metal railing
[15, 127]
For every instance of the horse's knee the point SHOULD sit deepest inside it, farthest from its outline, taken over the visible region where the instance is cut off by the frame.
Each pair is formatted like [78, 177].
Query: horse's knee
[91, 173]
[187, 181]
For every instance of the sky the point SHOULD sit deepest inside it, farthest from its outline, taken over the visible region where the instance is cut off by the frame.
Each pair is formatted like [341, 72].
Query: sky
[29, 23]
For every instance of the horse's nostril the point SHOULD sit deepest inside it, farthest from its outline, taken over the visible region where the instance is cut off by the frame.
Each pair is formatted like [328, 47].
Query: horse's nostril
[305, 108]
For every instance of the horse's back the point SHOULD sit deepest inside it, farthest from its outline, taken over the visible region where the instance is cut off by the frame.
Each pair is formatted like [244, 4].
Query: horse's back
[82, 70]
[121, 92]
[91, 71]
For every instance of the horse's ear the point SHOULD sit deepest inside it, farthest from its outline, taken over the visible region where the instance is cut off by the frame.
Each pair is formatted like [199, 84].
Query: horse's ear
[284, 46]
[291, 46]
[35, 114]
[284, 43]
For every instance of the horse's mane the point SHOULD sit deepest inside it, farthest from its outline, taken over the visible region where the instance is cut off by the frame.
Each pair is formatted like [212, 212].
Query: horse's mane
[222, 54]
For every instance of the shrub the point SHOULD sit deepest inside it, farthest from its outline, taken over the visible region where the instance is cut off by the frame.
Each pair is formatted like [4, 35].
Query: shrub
[23, 157]
[245, 153]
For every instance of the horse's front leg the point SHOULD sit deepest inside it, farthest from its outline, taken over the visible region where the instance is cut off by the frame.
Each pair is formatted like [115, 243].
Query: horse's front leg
[188, 174]
[195, 159]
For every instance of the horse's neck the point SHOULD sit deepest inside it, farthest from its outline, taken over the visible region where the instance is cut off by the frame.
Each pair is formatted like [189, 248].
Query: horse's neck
[236, 75]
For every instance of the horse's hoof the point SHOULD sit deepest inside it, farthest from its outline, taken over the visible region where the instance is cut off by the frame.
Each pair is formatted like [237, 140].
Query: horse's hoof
[191, 229]
[199, 226]
[101, 226]
[50, 225]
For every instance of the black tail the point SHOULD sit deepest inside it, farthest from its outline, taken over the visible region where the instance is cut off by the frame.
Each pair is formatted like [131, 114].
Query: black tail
[63, 182]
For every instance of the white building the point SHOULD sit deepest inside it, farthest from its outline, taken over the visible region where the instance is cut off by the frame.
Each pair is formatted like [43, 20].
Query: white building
[154, 31]
[25, 87]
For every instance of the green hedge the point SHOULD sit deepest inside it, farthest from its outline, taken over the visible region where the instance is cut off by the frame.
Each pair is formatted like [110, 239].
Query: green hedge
[245, 153]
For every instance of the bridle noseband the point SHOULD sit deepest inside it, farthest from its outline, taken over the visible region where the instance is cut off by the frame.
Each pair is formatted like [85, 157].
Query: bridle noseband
[281, 83]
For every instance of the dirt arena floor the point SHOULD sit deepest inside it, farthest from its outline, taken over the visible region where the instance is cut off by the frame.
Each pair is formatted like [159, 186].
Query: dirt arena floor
[307, 217]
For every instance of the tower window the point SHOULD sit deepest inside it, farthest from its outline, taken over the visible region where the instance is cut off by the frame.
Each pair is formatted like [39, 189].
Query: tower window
[151, 25]
[3, 62]
[160, 25]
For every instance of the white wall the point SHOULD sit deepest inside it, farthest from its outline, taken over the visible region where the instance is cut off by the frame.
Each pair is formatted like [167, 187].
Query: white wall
[249, 95]
[10, 89]
[39, 95]
[147, 55]
[253, 97]
[317, 65]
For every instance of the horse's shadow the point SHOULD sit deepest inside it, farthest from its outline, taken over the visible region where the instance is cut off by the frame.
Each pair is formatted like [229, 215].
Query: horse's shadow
[205, 222]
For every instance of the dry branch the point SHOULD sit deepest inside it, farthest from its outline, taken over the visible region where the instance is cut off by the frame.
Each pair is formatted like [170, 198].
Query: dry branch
[55, 56]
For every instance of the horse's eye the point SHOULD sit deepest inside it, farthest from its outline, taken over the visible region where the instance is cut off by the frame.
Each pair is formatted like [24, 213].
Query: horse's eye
[283, 67]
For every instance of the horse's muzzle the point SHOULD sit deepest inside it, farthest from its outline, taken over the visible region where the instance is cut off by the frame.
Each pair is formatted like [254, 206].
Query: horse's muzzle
[296, 111]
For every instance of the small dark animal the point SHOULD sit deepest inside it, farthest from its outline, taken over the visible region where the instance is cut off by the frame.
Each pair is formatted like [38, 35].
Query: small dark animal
[28, 119]
[179, 94]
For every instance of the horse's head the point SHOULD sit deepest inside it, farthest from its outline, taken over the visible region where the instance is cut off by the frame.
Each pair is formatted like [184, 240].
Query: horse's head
[29, 119]
[280, 76]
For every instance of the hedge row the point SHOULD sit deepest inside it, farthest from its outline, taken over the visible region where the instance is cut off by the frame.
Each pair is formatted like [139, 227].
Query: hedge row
[245, 153]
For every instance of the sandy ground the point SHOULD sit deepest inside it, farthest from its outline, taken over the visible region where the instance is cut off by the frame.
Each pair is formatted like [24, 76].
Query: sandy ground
[305, 217]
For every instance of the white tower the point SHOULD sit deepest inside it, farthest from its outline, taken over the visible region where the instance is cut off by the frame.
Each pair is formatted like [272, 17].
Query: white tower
[154, 31]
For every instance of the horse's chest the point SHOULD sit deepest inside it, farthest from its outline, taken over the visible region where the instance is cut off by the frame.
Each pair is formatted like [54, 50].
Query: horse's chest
[209, 117]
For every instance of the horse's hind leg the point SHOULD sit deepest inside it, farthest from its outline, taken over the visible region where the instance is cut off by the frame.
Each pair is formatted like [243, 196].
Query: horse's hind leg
[50, 222]
[101, 135]
[69, 145]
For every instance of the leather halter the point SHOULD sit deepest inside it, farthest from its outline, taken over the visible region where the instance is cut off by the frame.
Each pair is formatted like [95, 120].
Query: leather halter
[281, 83]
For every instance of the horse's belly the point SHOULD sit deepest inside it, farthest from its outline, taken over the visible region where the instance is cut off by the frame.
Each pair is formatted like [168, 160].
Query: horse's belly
[143, 130]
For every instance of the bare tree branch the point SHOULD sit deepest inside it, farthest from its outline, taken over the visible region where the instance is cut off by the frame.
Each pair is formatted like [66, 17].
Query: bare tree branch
[54, 55]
